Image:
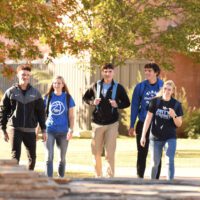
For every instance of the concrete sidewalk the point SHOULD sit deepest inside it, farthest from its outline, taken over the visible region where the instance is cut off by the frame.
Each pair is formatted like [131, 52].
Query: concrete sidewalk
[125, 172]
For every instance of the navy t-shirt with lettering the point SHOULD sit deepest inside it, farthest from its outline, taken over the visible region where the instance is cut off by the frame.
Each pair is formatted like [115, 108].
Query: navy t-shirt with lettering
[162, 125]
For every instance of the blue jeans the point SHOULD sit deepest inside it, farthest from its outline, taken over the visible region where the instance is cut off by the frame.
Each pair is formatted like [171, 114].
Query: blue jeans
[62, 144]
[156, 148]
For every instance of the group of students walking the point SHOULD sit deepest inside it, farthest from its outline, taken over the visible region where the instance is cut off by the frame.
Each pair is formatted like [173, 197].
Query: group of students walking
[159, 114]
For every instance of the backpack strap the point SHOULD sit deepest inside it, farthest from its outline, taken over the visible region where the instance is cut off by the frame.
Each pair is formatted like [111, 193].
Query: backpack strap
[176, 105]
[47, 105]
[114, 90]
[68, 96]
[158, 100]
[98, 89]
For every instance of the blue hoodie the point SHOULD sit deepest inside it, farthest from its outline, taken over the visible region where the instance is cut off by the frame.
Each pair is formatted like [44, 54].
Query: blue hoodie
[142, 95]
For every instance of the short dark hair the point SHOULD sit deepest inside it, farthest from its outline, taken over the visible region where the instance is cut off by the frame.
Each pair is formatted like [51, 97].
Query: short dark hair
[107, 66]
[153, 66]
[23, 67]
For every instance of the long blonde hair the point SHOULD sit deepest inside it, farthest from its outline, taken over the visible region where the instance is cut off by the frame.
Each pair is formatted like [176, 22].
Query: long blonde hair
[169, 83]
[64, 89]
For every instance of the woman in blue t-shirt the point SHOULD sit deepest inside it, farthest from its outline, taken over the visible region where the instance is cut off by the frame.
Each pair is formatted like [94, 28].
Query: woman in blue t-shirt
[59, 123]
[164, 116]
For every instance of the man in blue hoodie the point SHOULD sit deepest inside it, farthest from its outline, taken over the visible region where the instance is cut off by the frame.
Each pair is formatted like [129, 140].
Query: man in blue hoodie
[143, 93]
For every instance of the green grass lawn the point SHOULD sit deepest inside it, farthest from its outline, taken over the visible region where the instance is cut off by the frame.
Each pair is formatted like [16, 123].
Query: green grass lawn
[187, 156]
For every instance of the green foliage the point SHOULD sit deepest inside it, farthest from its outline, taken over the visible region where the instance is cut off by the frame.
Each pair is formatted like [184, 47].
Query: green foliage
[193, 124]
[110, 30]
[43, 77]
[181, 96]
[126, 113]
[191, 118]
[126, 29]
[29, 29]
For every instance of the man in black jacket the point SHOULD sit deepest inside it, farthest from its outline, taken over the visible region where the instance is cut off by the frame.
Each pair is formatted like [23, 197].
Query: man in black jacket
[21, 108]
[106, 96]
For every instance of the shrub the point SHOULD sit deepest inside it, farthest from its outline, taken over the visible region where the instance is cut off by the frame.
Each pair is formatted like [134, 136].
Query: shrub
[191, 118]
[193, 124]
[125, 116]
[181, 96]
[126, 113]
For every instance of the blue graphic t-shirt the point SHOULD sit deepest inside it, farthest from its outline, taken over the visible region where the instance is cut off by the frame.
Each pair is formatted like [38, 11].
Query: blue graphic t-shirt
[57, 120]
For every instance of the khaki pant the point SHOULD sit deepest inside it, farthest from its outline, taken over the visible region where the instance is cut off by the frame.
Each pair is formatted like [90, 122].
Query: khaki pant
[104, 135]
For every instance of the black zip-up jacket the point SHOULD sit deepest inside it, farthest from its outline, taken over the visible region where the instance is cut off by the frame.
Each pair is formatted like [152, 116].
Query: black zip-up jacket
[104, 114]
[22, 111]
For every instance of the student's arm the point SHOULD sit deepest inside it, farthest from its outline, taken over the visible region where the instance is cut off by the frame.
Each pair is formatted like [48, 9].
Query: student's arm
[122, 99]
[177, 119]
[41, 115]
[5, 111]
[135, 104]
[71, 122]
[147, 123]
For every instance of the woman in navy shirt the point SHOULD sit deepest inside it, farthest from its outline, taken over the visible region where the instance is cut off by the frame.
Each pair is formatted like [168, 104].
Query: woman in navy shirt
[59, 124]
[164, 116]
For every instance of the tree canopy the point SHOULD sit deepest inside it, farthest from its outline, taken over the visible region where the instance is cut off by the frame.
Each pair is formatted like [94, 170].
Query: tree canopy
[110, 30]
[27, 25]
[123, 29]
